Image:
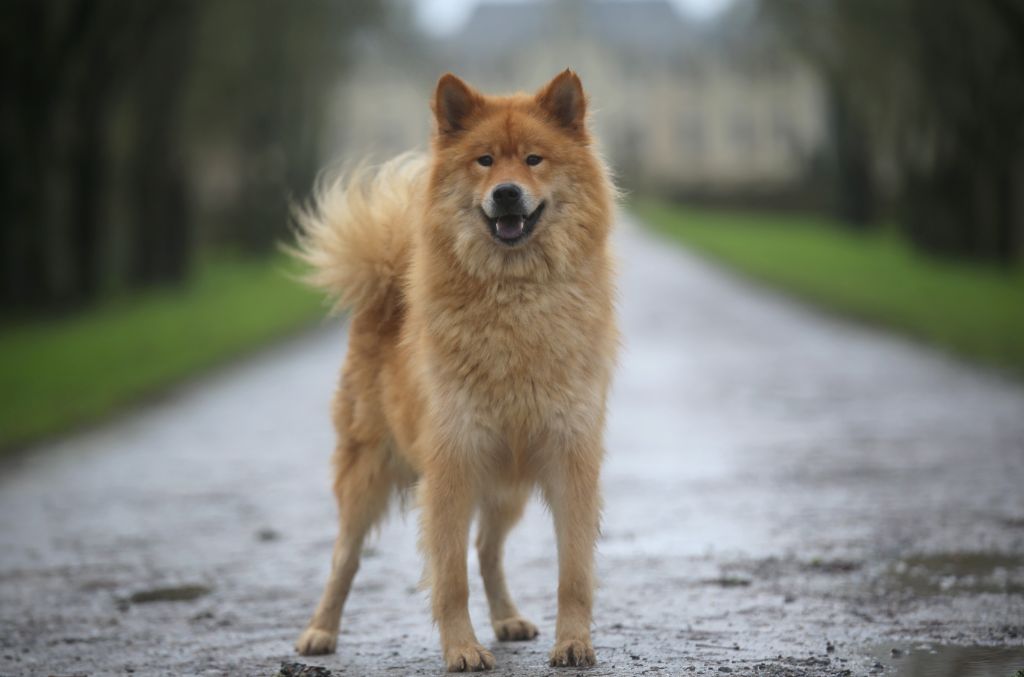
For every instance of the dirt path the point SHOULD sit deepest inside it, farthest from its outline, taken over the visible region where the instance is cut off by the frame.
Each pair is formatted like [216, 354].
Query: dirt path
[786, 495]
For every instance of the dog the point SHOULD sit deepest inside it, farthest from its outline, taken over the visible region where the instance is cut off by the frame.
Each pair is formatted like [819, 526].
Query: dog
[482, 341]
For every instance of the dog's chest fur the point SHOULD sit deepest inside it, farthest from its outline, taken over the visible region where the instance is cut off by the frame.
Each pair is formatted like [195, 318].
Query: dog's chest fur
[520, 359]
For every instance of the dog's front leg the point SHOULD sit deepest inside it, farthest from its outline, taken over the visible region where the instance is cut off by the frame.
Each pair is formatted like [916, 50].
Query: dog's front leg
[448, 498]
[572, 490]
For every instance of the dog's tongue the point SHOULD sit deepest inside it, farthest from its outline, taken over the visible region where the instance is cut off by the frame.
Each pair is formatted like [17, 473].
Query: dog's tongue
[510, 226]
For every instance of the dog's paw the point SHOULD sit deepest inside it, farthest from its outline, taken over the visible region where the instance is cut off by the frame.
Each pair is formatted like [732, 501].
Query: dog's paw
[313, 642]
[468, 658]
[573, 653]
[514, 629]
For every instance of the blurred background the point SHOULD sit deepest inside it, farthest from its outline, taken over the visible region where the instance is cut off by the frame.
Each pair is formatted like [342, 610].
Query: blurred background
[864, 154]
[831, 487]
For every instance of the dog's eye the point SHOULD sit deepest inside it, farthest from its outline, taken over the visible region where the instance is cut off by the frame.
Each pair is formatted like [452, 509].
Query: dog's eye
[485, 160]
[533, 160]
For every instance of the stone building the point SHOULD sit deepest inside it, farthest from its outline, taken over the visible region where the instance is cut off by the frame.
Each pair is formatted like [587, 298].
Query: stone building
[708, 108]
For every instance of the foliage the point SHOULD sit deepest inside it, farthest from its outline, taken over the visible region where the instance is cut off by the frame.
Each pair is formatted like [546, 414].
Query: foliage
[113, 114]
[970, 309]
[931, 89]
[58, 373]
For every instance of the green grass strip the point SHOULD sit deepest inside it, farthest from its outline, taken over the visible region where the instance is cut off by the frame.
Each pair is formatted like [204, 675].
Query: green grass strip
[972, 310]
[60, 373]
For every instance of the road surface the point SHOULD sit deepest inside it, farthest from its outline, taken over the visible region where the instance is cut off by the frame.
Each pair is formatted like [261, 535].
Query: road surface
[786, 494]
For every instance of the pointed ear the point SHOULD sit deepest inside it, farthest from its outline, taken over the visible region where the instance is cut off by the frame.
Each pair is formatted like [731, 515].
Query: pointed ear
[563, 99]
[454, 103]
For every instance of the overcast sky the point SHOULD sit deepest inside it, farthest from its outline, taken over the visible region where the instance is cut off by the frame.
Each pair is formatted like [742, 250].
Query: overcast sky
[442, 17]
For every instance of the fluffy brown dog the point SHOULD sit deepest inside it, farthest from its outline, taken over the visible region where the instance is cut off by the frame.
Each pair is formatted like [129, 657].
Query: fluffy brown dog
[481, 346]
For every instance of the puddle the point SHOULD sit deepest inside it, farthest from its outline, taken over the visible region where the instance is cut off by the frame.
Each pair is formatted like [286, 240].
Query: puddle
[975, 572]
[727, 582]
[183, 593]
[832, 566]
[302, 670]
[266, 534]
[936, 660]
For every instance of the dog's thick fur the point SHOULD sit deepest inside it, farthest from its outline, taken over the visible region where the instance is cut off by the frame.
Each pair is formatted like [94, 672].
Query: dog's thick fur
[476, 368]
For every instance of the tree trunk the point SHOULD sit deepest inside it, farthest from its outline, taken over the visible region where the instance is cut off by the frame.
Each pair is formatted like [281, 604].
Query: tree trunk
[853, 197]
[162, 239]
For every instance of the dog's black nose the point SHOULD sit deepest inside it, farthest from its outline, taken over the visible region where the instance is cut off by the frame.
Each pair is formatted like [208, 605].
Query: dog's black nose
[507, 195]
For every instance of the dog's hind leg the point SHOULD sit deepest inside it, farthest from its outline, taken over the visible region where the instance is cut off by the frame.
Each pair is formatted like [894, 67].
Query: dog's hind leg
[363, 485]
[498, 514]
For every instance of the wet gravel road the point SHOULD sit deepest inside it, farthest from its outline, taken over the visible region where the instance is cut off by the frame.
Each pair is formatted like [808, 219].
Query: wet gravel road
[787, 494]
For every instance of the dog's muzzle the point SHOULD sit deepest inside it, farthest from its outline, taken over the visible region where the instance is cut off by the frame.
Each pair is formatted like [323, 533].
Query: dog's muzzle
[508, 216]
[510, 229]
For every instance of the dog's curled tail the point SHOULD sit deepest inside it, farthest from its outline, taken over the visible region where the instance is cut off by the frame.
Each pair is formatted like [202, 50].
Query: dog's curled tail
[356, 231]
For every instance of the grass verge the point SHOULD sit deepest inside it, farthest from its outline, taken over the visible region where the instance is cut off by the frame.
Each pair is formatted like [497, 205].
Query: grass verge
[56, 374]
[971, 310]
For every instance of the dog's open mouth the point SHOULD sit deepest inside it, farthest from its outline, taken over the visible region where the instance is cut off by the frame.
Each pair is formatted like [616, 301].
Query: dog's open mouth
[510, 229]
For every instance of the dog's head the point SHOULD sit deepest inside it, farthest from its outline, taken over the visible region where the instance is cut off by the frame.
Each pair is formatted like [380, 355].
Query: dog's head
[519, 188]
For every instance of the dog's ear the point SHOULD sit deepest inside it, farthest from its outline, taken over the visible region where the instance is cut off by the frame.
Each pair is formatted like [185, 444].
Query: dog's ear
[563, 99]
[454, 102]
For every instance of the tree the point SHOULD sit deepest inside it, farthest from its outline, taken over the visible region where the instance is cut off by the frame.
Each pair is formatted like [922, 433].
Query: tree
[936, 85]
[109, 104]
[962, 124]
[264, 76]
[834, 36]
[69, 63]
